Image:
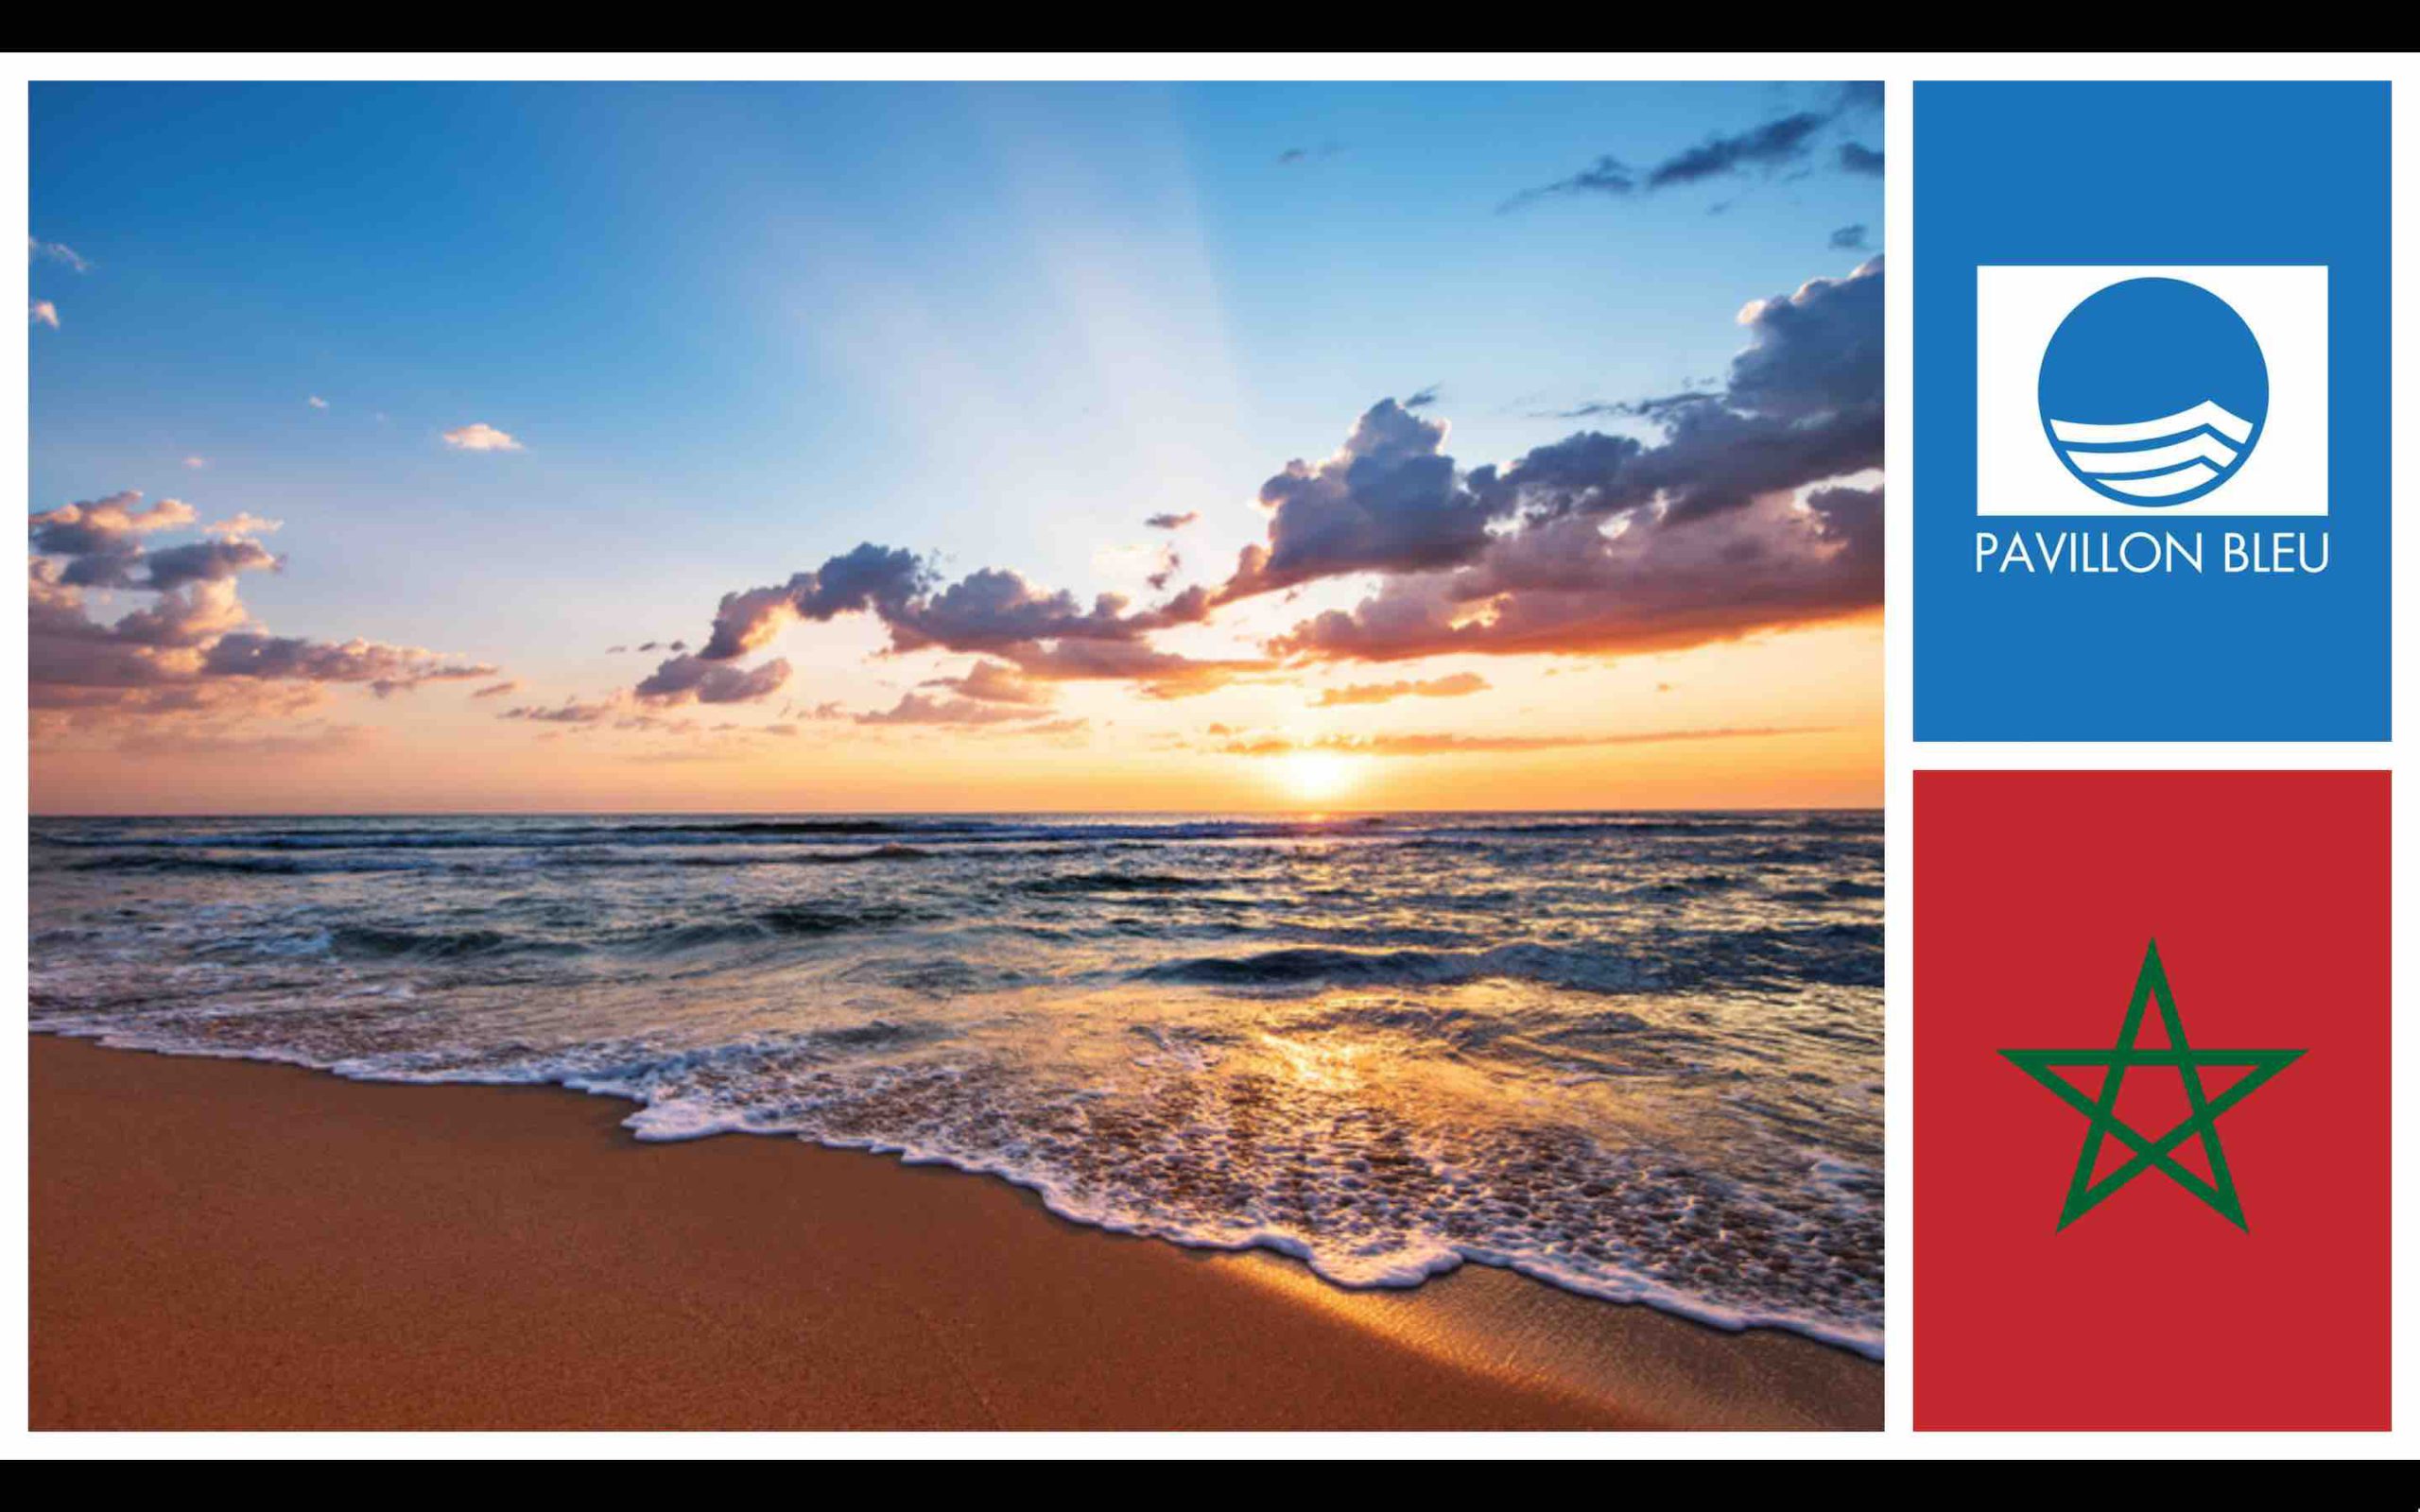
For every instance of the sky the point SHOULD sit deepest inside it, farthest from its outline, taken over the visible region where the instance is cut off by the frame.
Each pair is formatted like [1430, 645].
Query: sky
[479, 447]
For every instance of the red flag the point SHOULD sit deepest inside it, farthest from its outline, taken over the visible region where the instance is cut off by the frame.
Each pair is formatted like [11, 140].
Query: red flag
[2151, 1100]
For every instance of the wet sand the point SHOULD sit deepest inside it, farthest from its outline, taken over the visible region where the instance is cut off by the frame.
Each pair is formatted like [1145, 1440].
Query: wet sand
[229, 1245]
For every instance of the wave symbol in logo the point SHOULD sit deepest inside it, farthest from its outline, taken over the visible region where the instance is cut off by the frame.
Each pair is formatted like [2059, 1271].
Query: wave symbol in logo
[2154, 391]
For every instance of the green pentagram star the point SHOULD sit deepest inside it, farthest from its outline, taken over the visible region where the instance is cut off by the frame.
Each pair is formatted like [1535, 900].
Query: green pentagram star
[2084, 1194]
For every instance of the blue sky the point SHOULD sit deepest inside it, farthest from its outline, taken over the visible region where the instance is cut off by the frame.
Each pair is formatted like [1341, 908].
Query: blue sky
[737, 330]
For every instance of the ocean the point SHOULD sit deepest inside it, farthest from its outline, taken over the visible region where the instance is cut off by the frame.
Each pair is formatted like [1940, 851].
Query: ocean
[1634, 1055]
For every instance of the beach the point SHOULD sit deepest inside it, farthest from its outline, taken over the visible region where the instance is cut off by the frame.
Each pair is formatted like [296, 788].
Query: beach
[1635, 1055]
[220, 1243]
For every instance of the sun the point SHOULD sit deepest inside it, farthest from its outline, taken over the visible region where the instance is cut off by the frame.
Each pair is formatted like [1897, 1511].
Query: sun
[1316, 775]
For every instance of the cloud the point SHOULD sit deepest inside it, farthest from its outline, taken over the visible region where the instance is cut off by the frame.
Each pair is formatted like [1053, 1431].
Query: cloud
[497, 690]
[1173, 522]
[191, 651]
[206, 560]
[1388, 500]
[196, 463]
[1611, 543]
[387, 669]
[316, 402]
[1578, 584]
[242, 523]
[1043, 634]
[1606, 175]
[1774, 143]
[100, 544]
[1802, 404]
[1777, 143]
[1155, 674]
[570, 711]
[100, 539]
[998, 609]
[991, 682]
[1461, 684]
[1849, 238]
[41, 251]
[1815, 351]
[479, 437]
[98, 525]
[916, 708]
[196, 614]
[41, 312]
[684, 678]
[869, 578]
[1732, 508]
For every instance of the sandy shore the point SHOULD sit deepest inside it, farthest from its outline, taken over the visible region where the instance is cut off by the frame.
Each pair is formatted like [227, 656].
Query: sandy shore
[227, 1245]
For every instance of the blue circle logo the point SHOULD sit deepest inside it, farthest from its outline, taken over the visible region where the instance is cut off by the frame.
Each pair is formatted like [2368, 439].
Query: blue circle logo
[2154, 391]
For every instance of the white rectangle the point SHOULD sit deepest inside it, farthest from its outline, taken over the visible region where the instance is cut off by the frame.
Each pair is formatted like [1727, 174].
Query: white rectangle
[2017, 471]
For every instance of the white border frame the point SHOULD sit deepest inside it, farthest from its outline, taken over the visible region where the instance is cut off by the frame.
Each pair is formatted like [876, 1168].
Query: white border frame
[1902, 756]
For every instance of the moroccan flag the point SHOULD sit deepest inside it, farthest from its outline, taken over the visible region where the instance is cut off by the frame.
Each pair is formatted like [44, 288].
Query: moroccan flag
[2151, 1100]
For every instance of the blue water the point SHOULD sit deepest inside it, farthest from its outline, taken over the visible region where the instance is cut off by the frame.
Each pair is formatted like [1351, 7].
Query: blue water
[1635, 1056]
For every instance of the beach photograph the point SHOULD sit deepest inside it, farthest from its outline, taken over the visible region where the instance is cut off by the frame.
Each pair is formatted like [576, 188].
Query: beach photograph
[954, 756]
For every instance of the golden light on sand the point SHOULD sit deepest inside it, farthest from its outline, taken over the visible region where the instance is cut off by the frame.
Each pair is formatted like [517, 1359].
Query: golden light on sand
[1314, 775]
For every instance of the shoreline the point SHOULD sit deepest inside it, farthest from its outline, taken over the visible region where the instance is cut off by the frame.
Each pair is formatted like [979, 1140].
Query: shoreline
[237, 1244]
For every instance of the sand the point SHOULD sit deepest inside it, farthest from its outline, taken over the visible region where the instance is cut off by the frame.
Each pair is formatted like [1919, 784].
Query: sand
[229, 1245]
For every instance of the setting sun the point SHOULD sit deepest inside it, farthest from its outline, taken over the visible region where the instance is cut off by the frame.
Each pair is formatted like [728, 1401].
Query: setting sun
[1316, 775]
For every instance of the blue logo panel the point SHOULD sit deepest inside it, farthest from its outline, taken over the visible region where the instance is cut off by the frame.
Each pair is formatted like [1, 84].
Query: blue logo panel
[2152, 420]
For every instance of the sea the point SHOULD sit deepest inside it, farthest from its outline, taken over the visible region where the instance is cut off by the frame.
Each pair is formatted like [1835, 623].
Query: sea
[1635, 1056]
